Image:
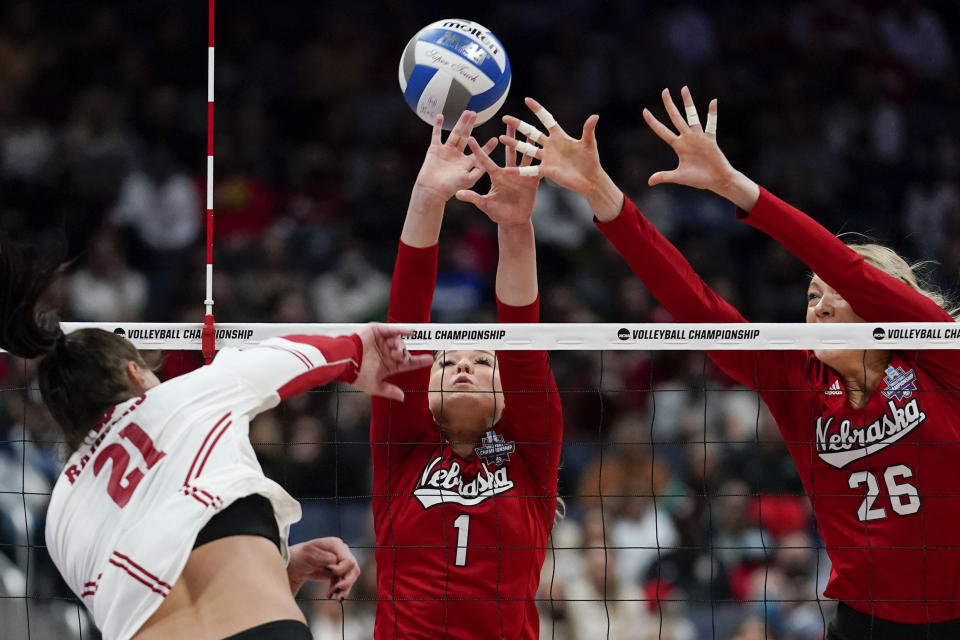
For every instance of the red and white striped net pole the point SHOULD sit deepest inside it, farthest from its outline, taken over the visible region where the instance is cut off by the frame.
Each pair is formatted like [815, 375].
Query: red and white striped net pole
[208, 340]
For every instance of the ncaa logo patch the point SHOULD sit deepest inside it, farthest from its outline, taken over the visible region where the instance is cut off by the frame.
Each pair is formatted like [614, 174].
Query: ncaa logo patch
[900, 384]
[494, 449]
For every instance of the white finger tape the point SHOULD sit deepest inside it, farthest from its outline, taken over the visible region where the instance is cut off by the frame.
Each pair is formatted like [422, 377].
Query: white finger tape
[545, 117]
[711, 123]
[528, 149]
[692, 118]
[530, 131]
[530, 171]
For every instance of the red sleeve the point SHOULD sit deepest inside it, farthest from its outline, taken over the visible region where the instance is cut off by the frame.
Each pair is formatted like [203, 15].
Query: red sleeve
[675, 284]
[396, 426]
[532, 415]
[873, 294]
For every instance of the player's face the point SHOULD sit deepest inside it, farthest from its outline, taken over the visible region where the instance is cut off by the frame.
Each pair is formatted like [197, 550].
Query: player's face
[466, 383]
[826, 305]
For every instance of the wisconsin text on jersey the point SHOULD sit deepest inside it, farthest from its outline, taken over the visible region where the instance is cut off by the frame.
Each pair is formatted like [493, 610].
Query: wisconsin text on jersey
[439, 484]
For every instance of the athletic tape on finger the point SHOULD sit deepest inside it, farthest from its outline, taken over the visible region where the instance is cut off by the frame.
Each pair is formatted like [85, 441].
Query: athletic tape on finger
[692, 118]
[545, 117]
[530, 171]
[711, 123]
[530, 131]
[528, 149]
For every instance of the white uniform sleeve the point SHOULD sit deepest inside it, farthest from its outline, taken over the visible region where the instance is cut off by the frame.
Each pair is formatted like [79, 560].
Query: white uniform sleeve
[279, 368]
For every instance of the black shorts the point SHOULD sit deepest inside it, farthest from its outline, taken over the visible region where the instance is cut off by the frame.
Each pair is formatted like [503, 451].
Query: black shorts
[276, 630]
[850, 624]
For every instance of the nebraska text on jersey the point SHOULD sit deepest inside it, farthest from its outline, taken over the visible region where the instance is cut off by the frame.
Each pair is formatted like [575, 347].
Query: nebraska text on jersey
[445, 485]
[849, 443]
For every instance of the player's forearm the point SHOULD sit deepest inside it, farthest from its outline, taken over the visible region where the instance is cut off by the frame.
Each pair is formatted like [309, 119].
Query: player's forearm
[605, 198]
[740, 190]
[517, 266]
[421, 227]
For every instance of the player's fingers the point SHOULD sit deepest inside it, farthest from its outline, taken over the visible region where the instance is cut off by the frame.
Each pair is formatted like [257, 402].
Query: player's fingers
[490, 145]
[693, 118]
[525, 161]
[385, 331]
[531, 132]
[437, 128]
[659, 128]
[528, 149]
[461, 131]
[711, 128]
[509, 141]
[389, 391]
[510, 155]
[662, 176]
[532, 171]
[342, 589]
[412, 362]
[466, 195]
[544, 116]
[473, 175]
[482, 158]
[674, 113]
[590, 129]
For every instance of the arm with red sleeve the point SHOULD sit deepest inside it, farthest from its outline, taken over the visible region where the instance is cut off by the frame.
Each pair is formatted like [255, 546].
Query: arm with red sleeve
[280, 368]
[395, 427]
[531, 403]
[873, 294]
[675, 284]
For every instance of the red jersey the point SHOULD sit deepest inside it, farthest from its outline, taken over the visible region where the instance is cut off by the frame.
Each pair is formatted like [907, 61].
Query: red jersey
[882, 479]
[461, 541]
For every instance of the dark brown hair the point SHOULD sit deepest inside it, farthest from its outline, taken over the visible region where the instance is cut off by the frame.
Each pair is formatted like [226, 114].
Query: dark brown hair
[82, 374]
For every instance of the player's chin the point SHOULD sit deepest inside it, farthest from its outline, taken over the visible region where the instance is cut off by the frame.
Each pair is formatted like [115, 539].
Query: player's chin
[837, 357]
[463, 402]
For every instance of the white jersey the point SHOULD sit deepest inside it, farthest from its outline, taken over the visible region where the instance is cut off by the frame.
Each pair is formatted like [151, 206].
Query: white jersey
[129, 503]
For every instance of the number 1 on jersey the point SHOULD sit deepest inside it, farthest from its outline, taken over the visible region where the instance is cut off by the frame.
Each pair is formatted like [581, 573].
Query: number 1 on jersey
[462, 525]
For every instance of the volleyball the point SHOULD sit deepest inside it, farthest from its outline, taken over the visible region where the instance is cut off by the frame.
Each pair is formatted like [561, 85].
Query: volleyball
[451, 66]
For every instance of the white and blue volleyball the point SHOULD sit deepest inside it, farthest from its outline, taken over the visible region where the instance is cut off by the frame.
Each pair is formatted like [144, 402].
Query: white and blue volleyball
[451, 66]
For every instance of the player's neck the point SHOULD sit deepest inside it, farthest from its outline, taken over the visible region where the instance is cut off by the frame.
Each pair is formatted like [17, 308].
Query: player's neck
[463, 442]
[862, 376]
[464, 449]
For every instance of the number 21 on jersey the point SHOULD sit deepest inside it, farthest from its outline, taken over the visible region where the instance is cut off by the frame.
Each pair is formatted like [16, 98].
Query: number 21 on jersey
[121, 485]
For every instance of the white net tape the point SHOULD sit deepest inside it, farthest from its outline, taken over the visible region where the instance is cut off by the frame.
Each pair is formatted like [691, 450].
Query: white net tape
[573, 337]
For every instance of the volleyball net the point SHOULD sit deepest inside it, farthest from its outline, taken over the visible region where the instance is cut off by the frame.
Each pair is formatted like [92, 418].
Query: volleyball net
[685, 515]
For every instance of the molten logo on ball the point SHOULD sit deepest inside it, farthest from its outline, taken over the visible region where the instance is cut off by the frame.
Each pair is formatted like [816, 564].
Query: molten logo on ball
[452, 66]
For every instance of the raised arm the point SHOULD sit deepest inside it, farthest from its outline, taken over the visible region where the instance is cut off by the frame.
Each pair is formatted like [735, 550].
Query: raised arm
[280, 368]
[395, 427]
[872, 293]
[532, 415]
[575, 164]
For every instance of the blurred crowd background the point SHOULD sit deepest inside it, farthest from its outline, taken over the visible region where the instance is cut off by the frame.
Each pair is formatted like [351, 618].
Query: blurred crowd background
[677, 484]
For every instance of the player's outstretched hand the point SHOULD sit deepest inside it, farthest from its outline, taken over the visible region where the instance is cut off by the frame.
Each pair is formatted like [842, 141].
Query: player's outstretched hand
[570, 162]
[323, 559]
[384, 354]
[512, 196]
[446, 168]
[700, 164]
